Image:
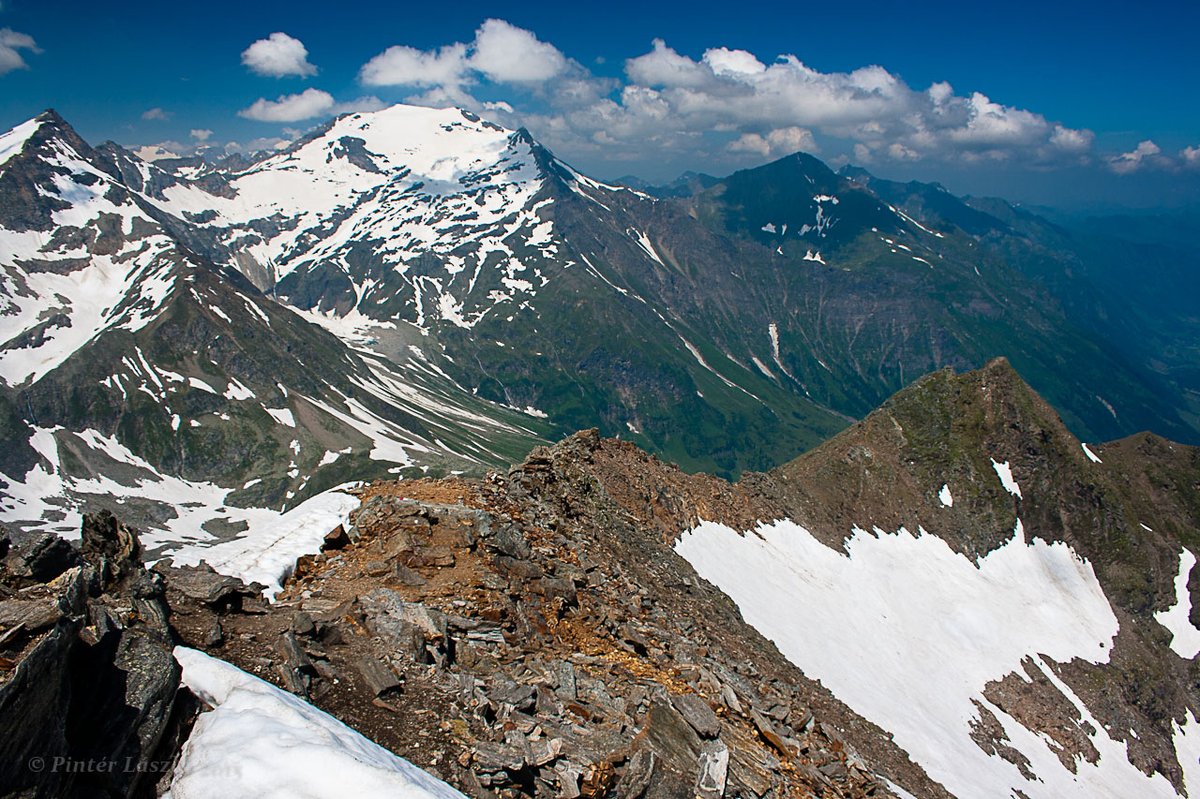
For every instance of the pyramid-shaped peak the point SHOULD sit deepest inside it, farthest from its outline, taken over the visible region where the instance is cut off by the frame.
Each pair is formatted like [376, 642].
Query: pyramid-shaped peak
[32, 134]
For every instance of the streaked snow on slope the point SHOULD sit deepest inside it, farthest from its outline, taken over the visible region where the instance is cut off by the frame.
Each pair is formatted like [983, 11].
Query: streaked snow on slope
[1185, 638]
[261, 741]
[443, 199]
[265, 549]
[1004, 472]
[911, 632]
[56, 294]
[14, 140]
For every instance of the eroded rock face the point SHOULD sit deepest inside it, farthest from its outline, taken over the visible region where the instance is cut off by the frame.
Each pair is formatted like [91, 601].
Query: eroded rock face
[90, 704]
[552, 648]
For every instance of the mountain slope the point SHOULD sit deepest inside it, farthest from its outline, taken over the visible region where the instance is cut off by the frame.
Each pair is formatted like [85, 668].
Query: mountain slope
[1025, 594]
[1123, 282]
[954, 597]
[726, 330]
[426, 228]
[137, 373]
[765, 309]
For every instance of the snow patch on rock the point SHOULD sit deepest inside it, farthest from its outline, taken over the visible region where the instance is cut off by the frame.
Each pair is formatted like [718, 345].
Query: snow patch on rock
[911, 632]
[261, 741]
[1185, 638]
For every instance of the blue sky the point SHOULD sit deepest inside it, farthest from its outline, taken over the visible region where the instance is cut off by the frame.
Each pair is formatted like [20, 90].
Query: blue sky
[1065, 103]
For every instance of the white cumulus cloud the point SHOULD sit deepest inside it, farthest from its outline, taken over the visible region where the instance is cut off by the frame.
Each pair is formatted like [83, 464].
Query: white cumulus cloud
[500, 52]
[155, 114]
[1147, 153]
[291, 107]
[872, 110]
[278, 56]
[407, 66]
[368, 103]
[731, 106]
[11, 45]
[508, 54]
[783, 141]
[201, 135]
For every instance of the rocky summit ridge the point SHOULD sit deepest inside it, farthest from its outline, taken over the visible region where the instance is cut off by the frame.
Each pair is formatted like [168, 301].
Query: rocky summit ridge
[557, 630]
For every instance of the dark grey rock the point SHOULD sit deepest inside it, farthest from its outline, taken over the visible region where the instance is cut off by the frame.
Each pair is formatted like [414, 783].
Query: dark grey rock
[677, 750]
[296, 666]
[519, 568]
[31, 614]
[42, 558]
[378, 677]
[303, 624]
[201, 583]
[638, 773]
[518, 696]
[498, 757]
[545, 751]
[335, 539]
[406, 576]
[555, 588]
[568, 780]
[112, 548]
[698, 714]
[412, 628]
[509, 541]
[567, 688]
[101, 684]
[214, 634]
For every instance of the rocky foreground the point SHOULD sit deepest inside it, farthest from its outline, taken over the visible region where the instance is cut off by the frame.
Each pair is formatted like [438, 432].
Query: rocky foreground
[535, 633]
[523, 634]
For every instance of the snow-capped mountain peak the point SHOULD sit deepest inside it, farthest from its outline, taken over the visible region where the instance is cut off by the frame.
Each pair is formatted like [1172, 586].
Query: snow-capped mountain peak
[405, 209]
[79, 253]
[12, 142]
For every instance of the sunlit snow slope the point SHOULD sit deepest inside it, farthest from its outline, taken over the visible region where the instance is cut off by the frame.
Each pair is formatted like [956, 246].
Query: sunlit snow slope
[408, 212]
[260, 741]
[964, 659]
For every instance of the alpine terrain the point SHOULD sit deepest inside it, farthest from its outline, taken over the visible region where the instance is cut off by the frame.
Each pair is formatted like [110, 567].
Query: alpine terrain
[280, 514]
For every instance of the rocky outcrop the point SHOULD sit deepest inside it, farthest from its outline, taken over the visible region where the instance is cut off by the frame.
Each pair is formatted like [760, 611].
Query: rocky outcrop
[522, 635]
[90, 704]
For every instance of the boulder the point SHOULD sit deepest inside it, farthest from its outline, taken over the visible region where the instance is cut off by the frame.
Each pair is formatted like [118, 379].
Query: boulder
[698, 714]
[405, 576]
[638, 773]
[110, 547]
[42, 558]
[714, 770]
[201, 583]
[378, 676]
[98, 682]
[411, 628]
[335, 539]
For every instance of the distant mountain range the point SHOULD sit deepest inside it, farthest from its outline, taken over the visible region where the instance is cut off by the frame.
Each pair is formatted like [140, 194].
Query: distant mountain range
[417, 289]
